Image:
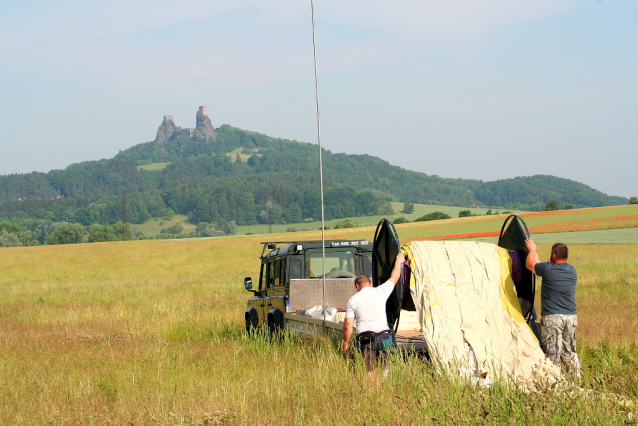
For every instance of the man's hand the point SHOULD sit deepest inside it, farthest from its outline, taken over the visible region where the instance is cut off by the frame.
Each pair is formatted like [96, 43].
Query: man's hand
[530, 244]
[348, 326]
[532, 256]
[396, 270]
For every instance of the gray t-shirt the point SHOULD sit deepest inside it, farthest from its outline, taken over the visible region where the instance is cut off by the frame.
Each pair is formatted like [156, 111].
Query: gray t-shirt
[559, 287]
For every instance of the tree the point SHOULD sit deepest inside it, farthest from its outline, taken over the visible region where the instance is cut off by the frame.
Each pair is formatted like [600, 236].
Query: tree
[569, 206]
[385, 209]
[399, 220]
[11, 228]
[123, 231]
[465, 213]
[633, 200]
[8, 239]
[294, 214]
[101, 233]
[72, 233]
[168, 214]
[204, 229]
[408, 208]
[173, 230]
[433, 216]
[551, 205]
[347, 223]
[230, 228]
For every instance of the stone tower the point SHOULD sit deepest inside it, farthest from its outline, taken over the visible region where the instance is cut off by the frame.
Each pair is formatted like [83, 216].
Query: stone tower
[166, 129]
[204, 130]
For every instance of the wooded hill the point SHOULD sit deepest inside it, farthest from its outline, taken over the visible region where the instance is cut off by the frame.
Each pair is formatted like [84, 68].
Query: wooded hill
[206, 184]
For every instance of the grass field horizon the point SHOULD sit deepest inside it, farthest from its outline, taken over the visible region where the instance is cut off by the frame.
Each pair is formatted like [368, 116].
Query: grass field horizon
[151, 332]
[480, 227]
[154, 225]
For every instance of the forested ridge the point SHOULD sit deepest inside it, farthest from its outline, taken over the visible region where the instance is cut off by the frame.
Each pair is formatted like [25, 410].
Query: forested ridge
[207, 185]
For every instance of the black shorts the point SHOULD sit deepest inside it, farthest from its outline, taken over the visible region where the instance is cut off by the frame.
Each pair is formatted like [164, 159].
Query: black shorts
[373, 351]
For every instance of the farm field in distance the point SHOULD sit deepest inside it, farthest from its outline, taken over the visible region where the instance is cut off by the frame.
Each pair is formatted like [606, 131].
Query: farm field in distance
[155, 225]
[151, 332]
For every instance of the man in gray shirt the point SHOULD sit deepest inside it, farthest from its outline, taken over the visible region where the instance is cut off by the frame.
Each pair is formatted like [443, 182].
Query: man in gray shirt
[559, 321]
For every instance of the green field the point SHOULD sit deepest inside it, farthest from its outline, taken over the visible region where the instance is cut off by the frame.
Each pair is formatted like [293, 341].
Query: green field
[563, 221]
[153, 227]
[583, 225]
[419, 210]
[240, 151]
[154, 166]
[150, 332]
[605, 236]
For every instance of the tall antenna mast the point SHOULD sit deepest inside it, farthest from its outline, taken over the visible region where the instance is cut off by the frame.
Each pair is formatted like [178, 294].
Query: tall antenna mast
[323, 225]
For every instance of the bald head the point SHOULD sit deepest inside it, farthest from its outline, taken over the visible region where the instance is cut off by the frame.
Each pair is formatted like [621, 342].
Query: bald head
[362, 281]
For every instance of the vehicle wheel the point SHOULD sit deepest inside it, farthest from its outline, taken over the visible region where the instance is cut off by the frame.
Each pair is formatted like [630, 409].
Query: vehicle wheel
[250, 330]
[251, 324]
[274, 330]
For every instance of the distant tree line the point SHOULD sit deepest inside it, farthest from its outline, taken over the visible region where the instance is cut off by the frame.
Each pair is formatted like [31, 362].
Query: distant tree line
[203, 183]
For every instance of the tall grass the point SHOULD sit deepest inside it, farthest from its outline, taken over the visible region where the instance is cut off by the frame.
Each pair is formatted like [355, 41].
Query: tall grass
[151, 332]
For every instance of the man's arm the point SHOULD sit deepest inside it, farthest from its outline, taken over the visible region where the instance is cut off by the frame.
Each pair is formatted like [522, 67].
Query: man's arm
[396, 271]
[532, 256]
[347, 333]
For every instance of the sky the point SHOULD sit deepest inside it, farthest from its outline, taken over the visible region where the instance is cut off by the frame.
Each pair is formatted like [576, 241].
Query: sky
[457, 88]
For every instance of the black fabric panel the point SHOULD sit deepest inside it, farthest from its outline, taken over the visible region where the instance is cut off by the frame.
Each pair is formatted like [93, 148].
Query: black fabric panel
[385, 248]
[513, 238]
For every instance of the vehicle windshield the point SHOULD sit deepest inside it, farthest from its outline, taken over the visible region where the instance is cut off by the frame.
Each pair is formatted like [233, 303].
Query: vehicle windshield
[335, 261]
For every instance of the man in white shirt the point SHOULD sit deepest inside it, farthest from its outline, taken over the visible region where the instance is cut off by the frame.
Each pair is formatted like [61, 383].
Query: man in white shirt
[367, 308]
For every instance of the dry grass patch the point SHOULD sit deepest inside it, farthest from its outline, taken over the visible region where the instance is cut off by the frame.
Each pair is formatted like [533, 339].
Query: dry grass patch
[150, 332]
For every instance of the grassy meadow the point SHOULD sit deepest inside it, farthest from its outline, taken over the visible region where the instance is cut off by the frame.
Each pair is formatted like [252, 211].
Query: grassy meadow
[154, 166]
[151, 332]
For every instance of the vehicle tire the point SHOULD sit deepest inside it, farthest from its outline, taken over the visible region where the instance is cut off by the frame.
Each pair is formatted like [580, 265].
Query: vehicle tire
[250, 330]
[251, 322]
[340, 274]
[274, 330]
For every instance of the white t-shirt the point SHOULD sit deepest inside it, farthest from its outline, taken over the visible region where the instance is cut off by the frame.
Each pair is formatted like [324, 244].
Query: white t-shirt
[367, 307]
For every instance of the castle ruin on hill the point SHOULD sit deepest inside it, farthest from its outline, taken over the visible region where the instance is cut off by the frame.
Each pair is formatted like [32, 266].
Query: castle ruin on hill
[203, 131]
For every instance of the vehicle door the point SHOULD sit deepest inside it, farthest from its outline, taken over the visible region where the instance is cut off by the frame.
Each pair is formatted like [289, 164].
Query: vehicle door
[258, 300]
[276, 290]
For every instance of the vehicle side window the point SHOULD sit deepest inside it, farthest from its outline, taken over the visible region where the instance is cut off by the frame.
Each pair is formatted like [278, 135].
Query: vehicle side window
[277, 274]
[262, 280]
[282, 275]
[295, 269]
[367, 265]
[270, 277]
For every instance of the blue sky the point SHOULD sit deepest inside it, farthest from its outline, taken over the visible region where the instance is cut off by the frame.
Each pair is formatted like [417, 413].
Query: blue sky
[464, 89]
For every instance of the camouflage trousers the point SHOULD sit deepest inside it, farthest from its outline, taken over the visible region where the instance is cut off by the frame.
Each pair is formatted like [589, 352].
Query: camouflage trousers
[558, 340]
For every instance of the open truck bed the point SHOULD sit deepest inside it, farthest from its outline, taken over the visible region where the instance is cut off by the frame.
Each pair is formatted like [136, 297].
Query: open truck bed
[308, 293]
